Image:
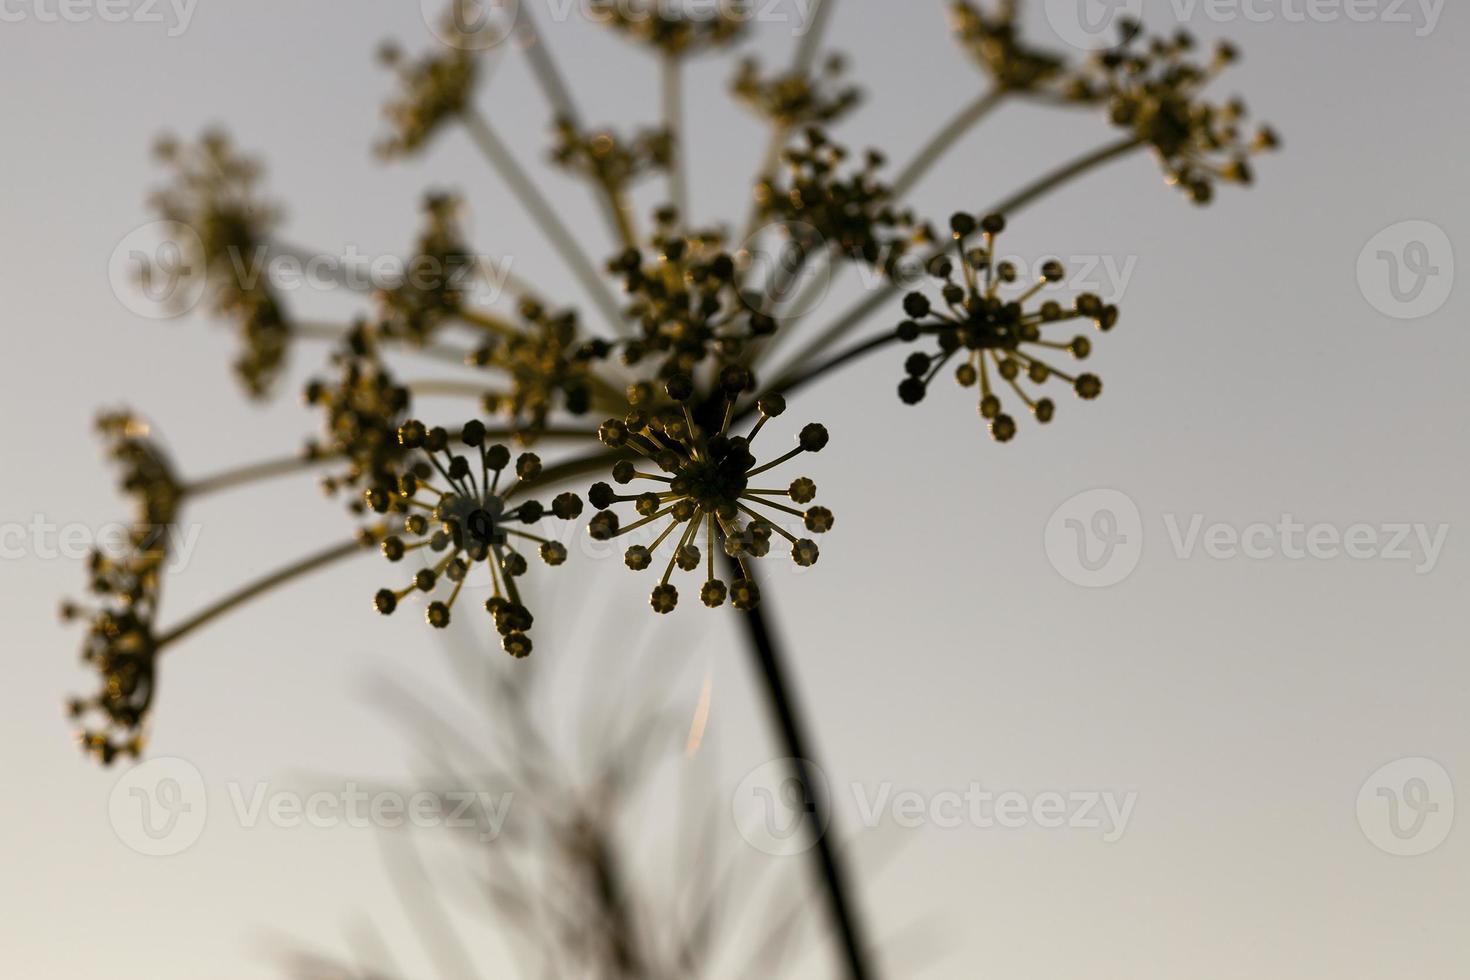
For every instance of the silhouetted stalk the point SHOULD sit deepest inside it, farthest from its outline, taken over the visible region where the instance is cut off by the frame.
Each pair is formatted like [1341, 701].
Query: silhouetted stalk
[544, 214]
[261, 586]
[673, 101]
[1065, 173]
[791, 726]
[252, 472]
[944, 140]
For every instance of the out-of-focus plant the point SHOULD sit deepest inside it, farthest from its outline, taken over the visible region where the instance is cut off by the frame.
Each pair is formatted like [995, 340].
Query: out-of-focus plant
[665, 378]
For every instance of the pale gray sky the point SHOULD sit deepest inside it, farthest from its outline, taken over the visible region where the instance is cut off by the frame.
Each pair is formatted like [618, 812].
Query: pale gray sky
[1252, 381]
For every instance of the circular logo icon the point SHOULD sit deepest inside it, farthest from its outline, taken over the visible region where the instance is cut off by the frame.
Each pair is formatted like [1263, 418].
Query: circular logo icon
[151, 270]
[1407, 270]
[158, 808]
[1095, 539]
[786, 269]
[472, 25]
[1407, 808]
[774, 811]
[1090, 24]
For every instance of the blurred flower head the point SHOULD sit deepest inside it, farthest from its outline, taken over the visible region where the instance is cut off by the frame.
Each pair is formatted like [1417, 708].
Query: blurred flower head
[432, 290]
[606, 159]
[432, 91]
[993, 40]
[684, 295]
[215, 194]
[546, 368]
[120, 645]
[669, 29]
[797, 98]
[362, 410]
[1155, 89]
[829, 206]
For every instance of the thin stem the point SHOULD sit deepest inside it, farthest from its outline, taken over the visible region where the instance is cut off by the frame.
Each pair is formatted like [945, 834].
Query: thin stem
[445, 387]
[944, 140]
[240, 475]
[261, 586]
[780, 133]
[1067, 172]
[553, 85]
[789, 383]
[544, 214]
[1009, 206]
[771, 667]
[806, 52]
[334, 333]
[673, 101]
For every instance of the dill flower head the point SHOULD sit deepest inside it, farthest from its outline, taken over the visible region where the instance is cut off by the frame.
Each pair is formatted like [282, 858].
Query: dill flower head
[431, 291]
[120, 644]
[1155, 89]
[215, 194]
[468, 520]
[546, 368]
[703, 487]
[851, 213]
[1000, 341]
[685, 298]
[362, 410]
[147, 473]
[608, 160]
[993, 40]
[433, 90]
[797, 98]
[670, 31]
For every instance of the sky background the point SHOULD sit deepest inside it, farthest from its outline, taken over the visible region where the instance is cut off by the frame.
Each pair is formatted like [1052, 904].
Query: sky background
[939, 644]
